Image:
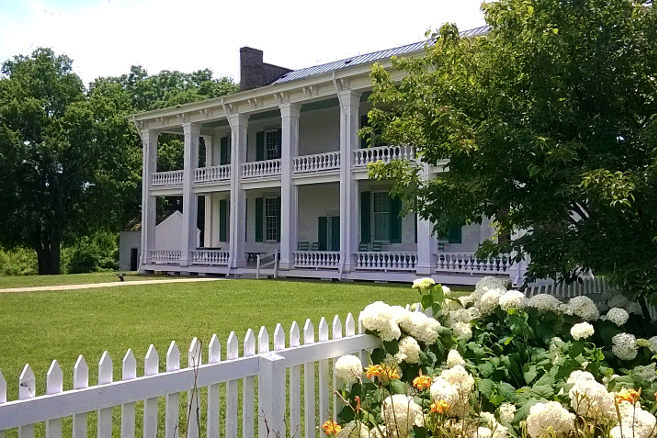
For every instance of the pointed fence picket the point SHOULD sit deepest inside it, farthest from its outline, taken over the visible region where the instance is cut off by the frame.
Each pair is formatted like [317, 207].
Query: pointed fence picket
[262, 361]
[337, 401]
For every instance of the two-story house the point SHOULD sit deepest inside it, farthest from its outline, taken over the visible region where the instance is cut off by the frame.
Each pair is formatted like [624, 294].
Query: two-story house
[285, 175]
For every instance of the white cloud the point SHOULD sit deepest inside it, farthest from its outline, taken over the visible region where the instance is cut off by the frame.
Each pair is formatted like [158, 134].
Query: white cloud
[106, 38]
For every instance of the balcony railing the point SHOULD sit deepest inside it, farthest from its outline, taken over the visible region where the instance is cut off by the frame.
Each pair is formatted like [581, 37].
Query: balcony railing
[316, 259]
[165, 256]
[316, 162]
[212, 173]
[166, 179]
[384, 153]
[210, 257]
[386, 261]
[261, 168]
[467, 262]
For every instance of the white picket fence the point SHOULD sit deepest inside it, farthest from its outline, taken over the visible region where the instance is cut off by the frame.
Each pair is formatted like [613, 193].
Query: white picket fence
[276, 372]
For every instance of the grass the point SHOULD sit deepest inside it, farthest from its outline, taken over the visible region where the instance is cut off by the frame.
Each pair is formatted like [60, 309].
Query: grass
[54, 280]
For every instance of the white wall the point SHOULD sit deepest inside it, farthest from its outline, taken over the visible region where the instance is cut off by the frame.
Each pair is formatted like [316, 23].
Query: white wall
[314, 201]
[319, 131]
[168, 233]
[127, 241]
[251, 244]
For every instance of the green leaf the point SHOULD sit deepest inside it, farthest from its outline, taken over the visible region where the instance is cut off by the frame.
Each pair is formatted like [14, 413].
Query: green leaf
[398, 387]
[426, 301]
[418, 432]
[486, 369]
[507, 391]
[530, 374]
[486, 387]
[346, 415]
[543, 391]
[377, 356]
[391, 347]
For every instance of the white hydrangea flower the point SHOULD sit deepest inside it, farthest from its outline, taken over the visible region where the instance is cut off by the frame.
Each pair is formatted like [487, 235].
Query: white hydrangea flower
[409, 350]
[653, 344]
[582, 307]
[617, 315]
[423, 283]
[646, 372]
[495, 429]
[441, 389]
[379, 317]
[550, 414]
[624, 346]
[636, 423]
[446, 290]
[512, 299]
[589, 398]
[489, 301]
[454, 358]
[544, 303]
[354, 429]
[420, 326]
[582, 330]
[507, 412]
[483, 432]
[617, 300]
[459, 377]
[348, 369]
[462, 329]
[400, 413]
[490, 282]
[634, 308]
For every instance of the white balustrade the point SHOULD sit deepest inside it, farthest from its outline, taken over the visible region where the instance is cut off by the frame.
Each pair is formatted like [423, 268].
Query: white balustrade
[383, 153]
[212, 173]
[316, 259]
[261, 168]
[386, 261]
[212, 257]
[316, 162]
[467, 262]
[171, 178]
[165, 256]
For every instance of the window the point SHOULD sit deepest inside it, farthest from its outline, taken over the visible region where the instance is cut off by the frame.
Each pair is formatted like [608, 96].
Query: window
[381, 216]
[272, 145]
[272, 218]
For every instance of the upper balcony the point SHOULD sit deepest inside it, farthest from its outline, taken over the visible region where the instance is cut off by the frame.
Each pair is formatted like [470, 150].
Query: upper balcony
[362, 157]
[264, 168]
[166, 180]
[212, 174]
[314, 163]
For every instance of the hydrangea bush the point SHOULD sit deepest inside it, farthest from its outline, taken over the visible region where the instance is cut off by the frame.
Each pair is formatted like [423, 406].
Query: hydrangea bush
[493, 364]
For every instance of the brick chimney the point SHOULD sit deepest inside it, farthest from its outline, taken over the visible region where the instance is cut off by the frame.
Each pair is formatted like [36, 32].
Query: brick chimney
[254, 72]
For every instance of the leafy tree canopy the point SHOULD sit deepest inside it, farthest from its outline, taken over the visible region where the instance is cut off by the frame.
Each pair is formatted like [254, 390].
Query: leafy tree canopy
[548, 124]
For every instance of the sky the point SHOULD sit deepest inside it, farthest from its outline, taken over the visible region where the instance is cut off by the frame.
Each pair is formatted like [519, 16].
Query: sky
[106, 37]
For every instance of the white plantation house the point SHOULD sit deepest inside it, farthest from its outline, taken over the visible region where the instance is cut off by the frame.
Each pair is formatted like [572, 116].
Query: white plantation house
[284, 177]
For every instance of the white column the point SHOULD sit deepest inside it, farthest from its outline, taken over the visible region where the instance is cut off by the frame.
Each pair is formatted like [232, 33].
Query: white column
[190, 201]
[289, 201]
[239, 125]
[210, 211]
[349, 125]
[426, 243]
[149, 144]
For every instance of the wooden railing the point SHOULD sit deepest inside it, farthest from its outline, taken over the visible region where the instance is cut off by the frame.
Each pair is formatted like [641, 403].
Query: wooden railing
[316, 162]
[386, 261]
[467, 262]
[210, 257]
[165, 256]
[199, 384]
[261, 168]
[171, 178]
[316, 259]
[383, 153]
[212, 173]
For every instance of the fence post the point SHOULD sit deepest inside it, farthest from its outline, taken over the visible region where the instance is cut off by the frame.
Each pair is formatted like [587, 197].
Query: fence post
[271, 378]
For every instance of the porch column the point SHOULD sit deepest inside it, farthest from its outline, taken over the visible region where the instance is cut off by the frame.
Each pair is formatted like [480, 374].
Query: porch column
[238, 126]
[149, 145]
[289, 149]
[349, 125]
[209, 222]
[191, 130]
[426, 243]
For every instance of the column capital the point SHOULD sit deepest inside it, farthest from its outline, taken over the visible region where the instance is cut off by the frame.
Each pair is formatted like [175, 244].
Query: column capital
[290, 110]
[235, 120]
[349, 97]
[193, 128]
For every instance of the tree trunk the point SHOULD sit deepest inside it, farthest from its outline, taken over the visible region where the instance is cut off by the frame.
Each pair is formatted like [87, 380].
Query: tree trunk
[48, 256]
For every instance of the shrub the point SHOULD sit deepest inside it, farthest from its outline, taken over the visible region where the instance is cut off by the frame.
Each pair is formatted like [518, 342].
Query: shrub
[18, 261]
[97, 252]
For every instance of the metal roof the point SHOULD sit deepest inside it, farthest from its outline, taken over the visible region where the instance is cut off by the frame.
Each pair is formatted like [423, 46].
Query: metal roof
[369, 57]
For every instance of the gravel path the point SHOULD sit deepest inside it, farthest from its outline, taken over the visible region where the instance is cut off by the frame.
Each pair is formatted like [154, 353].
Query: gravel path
[111, 284]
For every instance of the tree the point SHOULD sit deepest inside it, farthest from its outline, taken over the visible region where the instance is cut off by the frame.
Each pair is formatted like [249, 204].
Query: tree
[548, 124]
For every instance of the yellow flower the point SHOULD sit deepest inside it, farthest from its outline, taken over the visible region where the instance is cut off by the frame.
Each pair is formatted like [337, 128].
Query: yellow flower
[390, 372]
[422, 382]
[440, 407]
[628, 395]
[331, 428]
[373, 371]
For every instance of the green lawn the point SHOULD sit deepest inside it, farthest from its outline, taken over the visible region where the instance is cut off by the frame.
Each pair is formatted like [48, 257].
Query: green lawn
[53, 280]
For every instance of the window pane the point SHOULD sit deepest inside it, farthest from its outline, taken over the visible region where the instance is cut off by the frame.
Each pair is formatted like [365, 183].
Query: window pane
[271, 218]
[271, 145]
[381, 216]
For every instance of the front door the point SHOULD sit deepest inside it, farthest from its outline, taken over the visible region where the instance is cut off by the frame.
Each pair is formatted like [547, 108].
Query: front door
[328, 233]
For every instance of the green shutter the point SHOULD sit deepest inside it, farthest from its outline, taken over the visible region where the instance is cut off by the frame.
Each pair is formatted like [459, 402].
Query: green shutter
[260, 146]
[278, 219]
[279, 142]
[335, 233]
[395, 222]
[321, 233]
[223, 151]
[365, 214]
[454, 235]
[259, 216]
[363, 123]
[223, 220]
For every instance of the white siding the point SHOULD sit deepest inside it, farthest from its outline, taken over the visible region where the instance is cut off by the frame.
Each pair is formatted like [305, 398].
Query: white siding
[319, 131]
[127, 241]
[314, 201]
